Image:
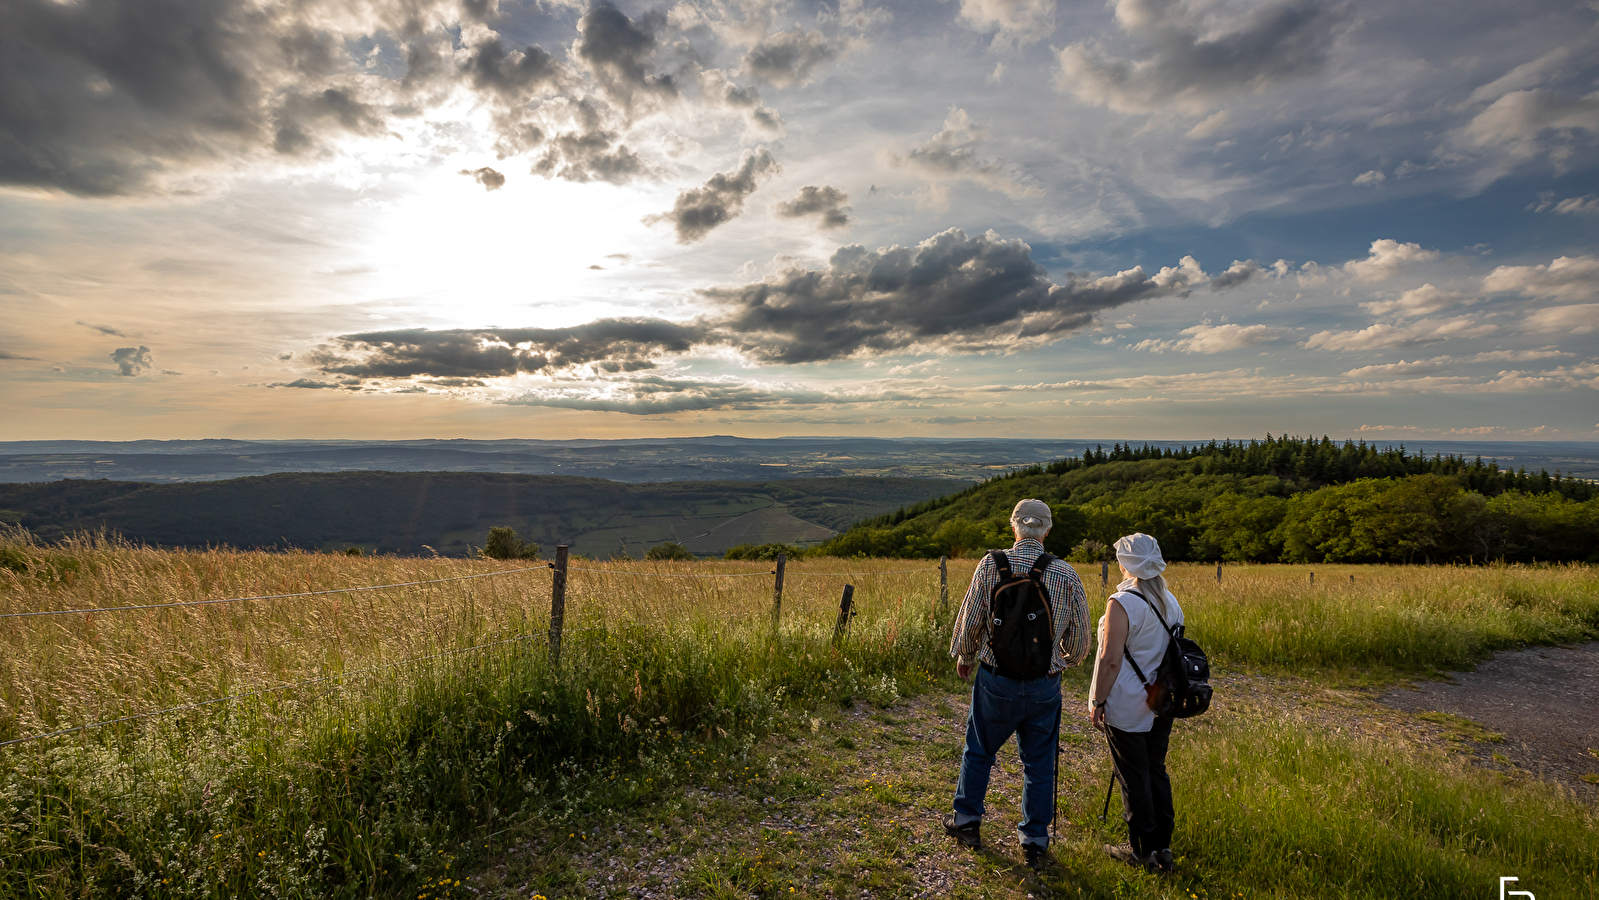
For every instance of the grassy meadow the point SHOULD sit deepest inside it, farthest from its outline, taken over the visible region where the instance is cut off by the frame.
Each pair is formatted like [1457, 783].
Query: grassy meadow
[428, 720]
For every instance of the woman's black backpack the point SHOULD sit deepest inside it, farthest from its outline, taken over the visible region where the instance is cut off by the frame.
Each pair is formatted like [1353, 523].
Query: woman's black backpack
[1182, 682]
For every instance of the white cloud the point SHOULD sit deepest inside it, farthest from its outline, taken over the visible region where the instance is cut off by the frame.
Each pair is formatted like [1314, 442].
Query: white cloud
[1209, 125]
[1369, 179]
[1383, 336]
[1221, 338]
[1402, 367]
[1526, 75]
[1586, 205]
[1566, 278]
[1422, 301]
[1518, 355]
[1580, 318]
[1015, 22]
[1385, 260]
[1515, 122]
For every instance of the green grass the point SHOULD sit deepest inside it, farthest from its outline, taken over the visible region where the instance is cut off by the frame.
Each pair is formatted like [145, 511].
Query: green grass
[1288, 810]
[387, 784]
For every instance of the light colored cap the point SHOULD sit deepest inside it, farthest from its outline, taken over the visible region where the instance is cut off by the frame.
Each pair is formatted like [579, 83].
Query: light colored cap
[1140, 555]
[1031, 513]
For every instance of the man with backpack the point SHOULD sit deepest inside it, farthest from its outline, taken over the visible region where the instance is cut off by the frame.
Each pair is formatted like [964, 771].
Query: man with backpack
[1023, 621]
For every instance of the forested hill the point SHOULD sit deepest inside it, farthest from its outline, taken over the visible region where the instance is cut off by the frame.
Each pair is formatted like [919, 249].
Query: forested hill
[1278, 499]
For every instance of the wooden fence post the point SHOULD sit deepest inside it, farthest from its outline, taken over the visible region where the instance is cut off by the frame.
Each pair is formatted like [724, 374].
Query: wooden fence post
[777, 590]
[943, 583]
[1312, 579]
[846, 611]
[1218, 573]
[557, 603]
[1104, 573]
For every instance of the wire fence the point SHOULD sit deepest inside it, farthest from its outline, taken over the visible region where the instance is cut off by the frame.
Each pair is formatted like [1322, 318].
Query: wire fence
[348, 590]
[555, 632]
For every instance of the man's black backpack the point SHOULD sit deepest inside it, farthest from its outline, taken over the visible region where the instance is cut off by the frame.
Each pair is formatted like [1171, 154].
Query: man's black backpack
[1182, 682]
[1021, 620]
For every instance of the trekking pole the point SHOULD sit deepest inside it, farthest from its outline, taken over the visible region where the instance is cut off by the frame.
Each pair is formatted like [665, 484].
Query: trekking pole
[1054, 802]
[1112, 786]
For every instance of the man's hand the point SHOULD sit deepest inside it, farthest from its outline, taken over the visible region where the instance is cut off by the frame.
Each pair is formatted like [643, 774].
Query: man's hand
[1097, 717]
[964, 670]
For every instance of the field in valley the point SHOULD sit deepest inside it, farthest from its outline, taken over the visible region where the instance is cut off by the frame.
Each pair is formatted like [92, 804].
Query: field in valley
[392, 742]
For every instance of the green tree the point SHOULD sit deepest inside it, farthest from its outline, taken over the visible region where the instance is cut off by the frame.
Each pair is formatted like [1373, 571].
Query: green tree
[502, 543]
[762, 552]
[669, 550]
[1239, 529]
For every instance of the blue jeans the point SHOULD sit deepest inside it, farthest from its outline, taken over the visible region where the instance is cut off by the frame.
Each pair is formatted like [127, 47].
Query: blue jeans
[1002, 707]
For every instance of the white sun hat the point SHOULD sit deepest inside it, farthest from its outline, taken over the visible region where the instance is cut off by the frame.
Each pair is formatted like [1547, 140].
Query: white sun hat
[1140, 555]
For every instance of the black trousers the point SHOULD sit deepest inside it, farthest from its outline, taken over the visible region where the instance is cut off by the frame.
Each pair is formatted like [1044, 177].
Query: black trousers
[1140, 761]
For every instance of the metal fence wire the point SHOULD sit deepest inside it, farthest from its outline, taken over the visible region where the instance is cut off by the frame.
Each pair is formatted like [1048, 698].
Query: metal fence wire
[559, 570]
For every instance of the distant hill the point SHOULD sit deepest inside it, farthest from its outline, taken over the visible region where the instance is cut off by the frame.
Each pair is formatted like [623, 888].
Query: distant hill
[406, 512]
[710, 458]
[713, 458]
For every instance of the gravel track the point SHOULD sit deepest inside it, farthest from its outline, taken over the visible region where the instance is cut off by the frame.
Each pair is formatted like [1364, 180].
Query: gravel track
[1544, 700]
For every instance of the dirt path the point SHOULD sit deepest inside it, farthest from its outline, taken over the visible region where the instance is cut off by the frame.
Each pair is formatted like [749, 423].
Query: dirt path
[1544, 701]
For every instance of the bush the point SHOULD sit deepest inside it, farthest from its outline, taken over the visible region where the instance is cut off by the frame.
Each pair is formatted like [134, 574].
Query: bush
[669, 550]
[762, 552]
[1091, 551]
[502, 543]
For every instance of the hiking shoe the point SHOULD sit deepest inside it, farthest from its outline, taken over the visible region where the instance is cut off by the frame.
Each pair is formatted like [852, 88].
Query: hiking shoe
[1124, 853]
[967, 834]
[1161, 861]
[1038, 858]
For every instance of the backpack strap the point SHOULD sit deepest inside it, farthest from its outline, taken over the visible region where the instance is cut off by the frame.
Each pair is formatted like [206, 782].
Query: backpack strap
[1128, 654]
[1039, 565]
[1001, 563]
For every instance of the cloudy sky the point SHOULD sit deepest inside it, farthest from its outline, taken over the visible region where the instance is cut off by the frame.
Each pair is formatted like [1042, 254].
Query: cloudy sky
[463, 218]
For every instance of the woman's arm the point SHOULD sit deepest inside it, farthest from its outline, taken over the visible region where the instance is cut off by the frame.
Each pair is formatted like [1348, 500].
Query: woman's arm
[1111, 644]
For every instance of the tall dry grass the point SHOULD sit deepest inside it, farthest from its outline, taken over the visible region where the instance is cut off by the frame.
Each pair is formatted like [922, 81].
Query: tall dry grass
[363, 786]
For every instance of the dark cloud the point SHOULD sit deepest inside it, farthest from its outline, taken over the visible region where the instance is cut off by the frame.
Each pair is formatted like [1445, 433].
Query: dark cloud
[827, 202]
[5, 355]
[951, 155]
[514, 76]
[590, 156]
[789, 57]
[718, 87]
[308, 384]
[132, 361]
[301, 118]
[610, 345]
[1196, 54]
[952, 293]
[103, 97]
[1238, 273]
[490, 179]
[618, 51]
[105, 329]
[699, 210]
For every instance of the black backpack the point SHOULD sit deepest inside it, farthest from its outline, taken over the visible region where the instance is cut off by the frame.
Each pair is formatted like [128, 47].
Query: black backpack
[1021, 620]
[1182, 682]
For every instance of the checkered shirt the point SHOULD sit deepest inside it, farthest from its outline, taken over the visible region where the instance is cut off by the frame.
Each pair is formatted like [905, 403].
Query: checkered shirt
[1067, 599]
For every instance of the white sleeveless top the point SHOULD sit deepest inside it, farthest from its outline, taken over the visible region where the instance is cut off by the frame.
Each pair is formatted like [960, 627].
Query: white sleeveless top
[1127, 707]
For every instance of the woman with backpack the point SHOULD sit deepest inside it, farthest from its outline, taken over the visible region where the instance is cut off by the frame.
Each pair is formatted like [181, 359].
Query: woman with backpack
[1119, 700]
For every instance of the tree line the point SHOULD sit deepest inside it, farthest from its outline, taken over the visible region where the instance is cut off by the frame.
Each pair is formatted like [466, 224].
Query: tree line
[1282, 499]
